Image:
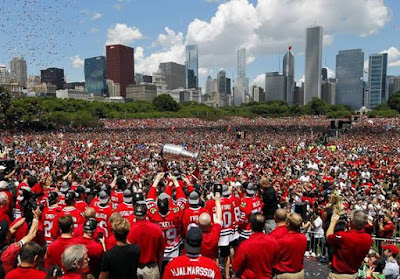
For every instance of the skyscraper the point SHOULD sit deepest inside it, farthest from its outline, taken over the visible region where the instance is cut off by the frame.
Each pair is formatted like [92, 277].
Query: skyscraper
[377, 79]
[242, 81]
[120, 66]
[174, 75]
[96, 76]
[19, 71]
[53, 76]
[221, 77]
[192, 67]
[349, 75]
[209, 85]
[241, 63]
[275, 87]
[288, 72]
[324, 74]
[312, 81]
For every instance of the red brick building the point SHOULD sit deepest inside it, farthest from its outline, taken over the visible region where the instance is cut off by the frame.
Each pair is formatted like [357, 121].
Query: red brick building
[120, 66]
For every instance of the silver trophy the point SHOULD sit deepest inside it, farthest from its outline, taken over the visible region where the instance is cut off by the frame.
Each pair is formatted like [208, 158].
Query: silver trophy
[177, 153]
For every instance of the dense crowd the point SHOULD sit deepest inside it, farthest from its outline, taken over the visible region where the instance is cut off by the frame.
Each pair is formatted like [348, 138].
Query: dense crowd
[263, 195]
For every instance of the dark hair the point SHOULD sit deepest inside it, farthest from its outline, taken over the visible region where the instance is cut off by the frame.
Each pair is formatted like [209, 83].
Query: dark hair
[65, 224]
[257, 221]
[379, 264]
[29, 251]
[32, 181]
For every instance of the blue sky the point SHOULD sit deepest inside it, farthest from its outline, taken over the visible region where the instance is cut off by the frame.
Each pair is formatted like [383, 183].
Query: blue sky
[50, 33]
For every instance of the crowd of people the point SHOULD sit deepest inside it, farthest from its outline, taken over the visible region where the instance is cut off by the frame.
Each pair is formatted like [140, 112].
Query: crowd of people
[263, 196]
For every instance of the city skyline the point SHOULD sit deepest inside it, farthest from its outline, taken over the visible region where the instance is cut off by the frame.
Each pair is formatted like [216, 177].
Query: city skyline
[372, 27]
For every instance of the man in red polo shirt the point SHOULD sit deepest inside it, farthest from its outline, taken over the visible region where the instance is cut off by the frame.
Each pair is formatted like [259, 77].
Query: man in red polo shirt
[291, 249]
[29, 256]
[350, 247]
[247, 261]
[57, 247]
[148, 236]
[280, 220]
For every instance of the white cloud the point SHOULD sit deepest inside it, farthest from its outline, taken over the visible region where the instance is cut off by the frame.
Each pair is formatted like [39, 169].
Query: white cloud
[76, 61]
[331, 73]
[96, 16]
[259, 81]
[393, 57]
[123, 34]
[205, 72]
[264, 29]
[300, 81]
[170, 52]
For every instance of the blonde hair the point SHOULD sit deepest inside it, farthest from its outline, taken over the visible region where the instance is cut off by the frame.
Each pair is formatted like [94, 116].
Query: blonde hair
[337, 205]
[120, 228]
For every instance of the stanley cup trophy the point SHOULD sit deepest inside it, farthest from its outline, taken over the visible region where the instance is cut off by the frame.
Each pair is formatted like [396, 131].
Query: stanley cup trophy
[177, 153]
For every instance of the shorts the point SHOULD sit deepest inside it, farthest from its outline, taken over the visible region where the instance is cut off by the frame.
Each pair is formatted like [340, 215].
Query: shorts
[224, 251]
[234, 244]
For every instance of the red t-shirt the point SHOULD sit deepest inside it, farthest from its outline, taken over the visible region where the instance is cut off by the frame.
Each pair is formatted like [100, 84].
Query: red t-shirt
[148, 236]
[72, 275]
[10, 255]
[279, 232]
[26, 273]
[291, 249]
[110, 241]
[350, 249]
[387, 231]
[248, 257]
[186, 267]
[95, 251]
[79, 231]
[209, 244]
[55, 250]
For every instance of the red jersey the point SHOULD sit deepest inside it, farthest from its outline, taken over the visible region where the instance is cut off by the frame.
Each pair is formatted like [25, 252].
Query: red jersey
[102, 216]
[26, 273]
[125, 209]
[149, 237]
[78, 232]
[248, 205]
[55, 250]
[247, 258]
[186, 267]
[81, 205]
[191, 218]
[228, 219]
[117, 197]
[74, 212]
[49, 215]
[209, 244]
[171, 228]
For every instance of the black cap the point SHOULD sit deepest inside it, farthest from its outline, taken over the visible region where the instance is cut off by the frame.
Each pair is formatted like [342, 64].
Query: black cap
[90, 225]
[70, 195]
[140, 209]
[193, 240]
[218, 188]
[138, 197]
[53, 196]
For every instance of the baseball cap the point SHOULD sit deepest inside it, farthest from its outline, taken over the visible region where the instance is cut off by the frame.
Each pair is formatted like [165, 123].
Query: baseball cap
[163, 196]
[103, 197]
[225, 190]
[70, 195]
[194, 198]
[138, 197]
[52, 196]
[127, 196]
[250, 189]
[3, 185]
[217, 188]
[140, 209]
[64, 187]
[392, 248]
[193, 240]
[90, 225]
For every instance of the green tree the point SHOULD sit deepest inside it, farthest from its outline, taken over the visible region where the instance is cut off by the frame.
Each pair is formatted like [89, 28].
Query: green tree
[394, 101]
[165, 102]
[5, 102]
[318, 106]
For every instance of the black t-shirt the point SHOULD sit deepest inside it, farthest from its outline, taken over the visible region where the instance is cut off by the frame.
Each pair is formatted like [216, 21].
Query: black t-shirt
[121, 262]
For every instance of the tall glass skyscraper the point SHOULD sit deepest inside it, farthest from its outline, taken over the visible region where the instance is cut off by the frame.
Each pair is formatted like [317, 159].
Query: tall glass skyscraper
[18, 70]
[96, 76]
[288, 72]
[349, 75]
[241, 63]
[377, 79]
[192, 67]
[312, 80]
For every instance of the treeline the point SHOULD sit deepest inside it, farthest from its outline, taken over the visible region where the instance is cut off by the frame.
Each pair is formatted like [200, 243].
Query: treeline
[45, 112]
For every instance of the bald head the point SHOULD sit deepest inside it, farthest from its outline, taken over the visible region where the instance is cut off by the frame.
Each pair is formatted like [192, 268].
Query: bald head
[89, 212]
[294, 221]
[280, 216]
[204, 221]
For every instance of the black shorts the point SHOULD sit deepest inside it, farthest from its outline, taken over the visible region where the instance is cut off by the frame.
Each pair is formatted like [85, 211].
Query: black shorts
[234, 244]
[224, 251]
